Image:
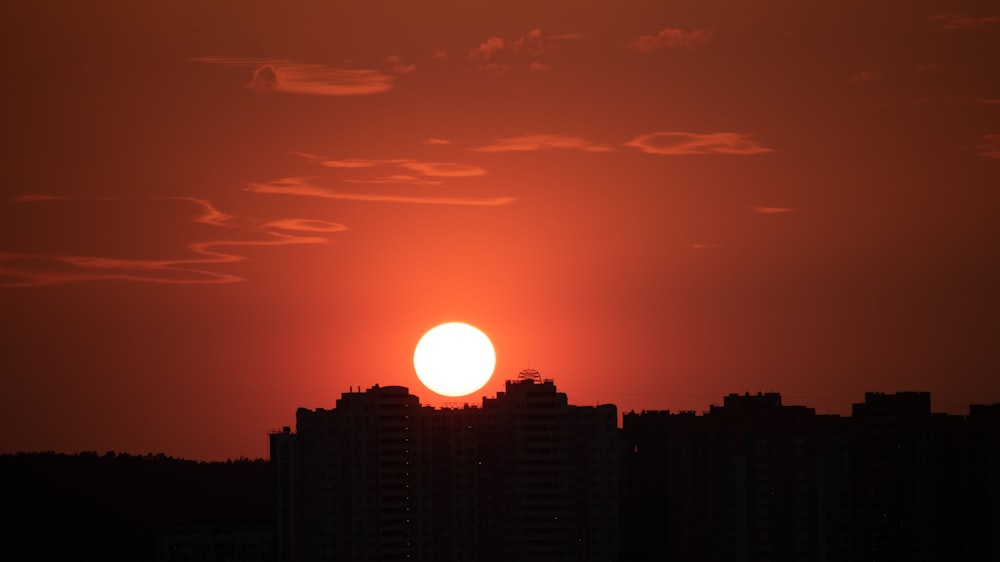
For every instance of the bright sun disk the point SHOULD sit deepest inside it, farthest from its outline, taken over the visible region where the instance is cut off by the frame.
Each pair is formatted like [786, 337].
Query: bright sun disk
[454, 359]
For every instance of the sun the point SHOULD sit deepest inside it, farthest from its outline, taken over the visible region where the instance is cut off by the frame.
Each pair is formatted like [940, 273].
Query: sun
[454, 359]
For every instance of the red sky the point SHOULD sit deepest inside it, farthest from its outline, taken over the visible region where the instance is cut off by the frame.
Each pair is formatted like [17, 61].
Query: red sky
[216, 212]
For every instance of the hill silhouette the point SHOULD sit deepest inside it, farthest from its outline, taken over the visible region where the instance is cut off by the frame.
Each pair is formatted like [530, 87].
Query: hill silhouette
[114, 506]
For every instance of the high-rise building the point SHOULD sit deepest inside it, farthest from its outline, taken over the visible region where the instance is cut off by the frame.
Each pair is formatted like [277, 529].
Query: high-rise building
[750, 480]
[526, 476]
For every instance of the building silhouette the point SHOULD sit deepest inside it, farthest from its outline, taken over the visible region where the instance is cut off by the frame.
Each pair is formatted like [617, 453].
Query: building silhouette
[526, 476]
[757, 480]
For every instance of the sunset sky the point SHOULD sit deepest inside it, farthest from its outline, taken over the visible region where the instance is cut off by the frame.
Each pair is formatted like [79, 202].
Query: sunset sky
[214, 213]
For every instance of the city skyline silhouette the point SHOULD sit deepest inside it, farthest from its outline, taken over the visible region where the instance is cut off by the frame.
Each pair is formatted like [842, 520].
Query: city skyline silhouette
[528, 475]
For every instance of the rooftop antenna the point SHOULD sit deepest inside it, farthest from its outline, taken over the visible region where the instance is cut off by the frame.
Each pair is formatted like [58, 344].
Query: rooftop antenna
[529, 375]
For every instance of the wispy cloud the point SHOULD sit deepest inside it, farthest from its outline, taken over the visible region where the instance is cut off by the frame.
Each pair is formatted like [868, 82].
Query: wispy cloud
[952, 22]
[305, 187]
[443, 169]
[487, 49]
[683, 143]
[432, 169]
[534, 142]
[397, 178]
[498, 55]
[279, 75]
[350, 163]
[398, 66]
[34, 197]
[773, 210]
[32, 269]
[306, 225]
[436, 141]
[672, 38]
[990, 148]
[530, 43]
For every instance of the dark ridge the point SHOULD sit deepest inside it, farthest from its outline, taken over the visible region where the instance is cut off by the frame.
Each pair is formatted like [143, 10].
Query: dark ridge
[116, 506]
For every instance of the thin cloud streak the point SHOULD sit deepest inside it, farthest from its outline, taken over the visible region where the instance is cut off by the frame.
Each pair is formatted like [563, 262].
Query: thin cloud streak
[432, 169]
[443, 169]
[32, 197]
[773, 210]
[278, 75]
[398, 178]
[41, 269]
[683, 143]
[302, 187]
[990, 148]
[307, 225]
[526, 143]
[952, 22]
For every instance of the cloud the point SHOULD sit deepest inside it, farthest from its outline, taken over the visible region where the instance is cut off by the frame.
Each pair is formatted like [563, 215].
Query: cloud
[433, 169]
[209, 214]
[398, 178]
[864, 76]
[672, 38]
[704, 245]
[530, 44]
[443, 169]
[486, 49]
[773, 210]
[305, 188]
[116, 220]
[264, 78]
[277, 75]
[499, 56]
[439, 53]
[436, 141]
[990, 148]
[681, 143]
[350, 162]
[952, 22]
[989, 101]
[307, 225]
[398, 67]
[32, 197]
[542, 142]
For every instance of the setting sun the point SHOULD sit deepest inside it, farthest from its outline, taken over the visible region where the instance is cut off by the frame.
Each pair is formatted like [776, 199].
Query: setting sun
[454, 359]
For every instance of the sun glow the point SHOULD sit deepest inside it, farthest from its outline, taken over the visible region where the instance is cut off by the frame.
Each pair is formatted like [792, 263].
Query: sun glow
[454, 359]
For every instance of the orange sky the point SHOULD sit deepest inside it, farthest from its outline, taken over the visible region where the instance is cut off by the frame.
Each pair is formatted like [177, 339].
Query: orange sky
[216, 212]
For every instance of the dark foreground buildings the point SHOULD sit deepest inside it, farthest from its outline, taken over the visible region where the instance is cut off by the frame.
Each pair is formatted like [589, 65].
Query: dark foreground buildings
[757, 480]
[527, 476]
